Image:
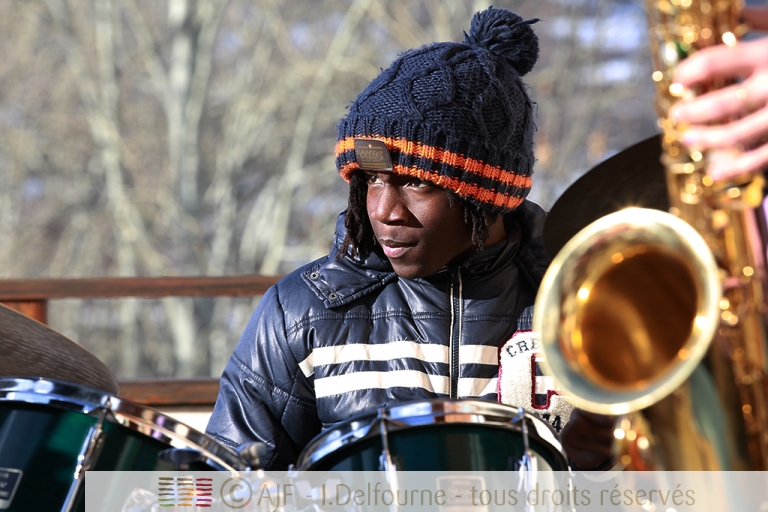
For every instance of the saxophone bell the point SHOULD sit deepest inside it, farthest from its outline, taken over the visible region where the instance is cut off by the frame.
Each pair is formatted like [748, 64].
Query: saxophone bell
[628, 309]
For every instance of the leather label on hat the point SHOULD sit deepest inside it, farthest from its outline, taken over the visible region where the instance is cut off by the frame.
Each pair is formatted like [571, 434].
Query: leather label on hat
[373, 155]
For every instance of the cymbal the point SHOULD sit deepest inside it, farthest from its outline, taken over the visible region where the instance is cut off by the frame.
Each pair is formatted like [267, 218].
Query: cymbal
[31, 349]
[633, 177]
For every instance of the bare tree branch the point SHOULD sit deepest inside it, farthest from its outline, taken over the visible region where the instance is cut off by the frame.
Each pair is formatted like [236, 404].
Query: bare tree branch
[294, 165]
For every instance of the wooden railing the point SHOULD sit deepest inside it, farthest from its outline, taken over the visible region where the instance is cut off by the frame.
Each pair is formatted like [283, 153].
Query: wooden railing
[31, 296]
[171, 392]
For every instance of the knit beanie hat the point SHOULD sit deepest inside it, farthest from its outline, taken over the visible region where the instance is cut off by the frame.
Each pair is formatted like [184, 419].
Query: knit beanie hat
[454, 114]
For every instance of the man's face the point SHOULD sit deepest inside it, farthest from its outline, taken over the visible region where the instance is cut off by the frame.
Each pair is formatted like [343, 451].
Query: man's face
[415, 225]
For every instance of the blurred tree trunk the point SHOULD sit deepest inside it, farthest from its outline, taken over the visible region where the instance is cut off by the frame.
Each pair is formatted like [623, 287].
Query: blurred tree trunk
[294, 171]
[196, 137]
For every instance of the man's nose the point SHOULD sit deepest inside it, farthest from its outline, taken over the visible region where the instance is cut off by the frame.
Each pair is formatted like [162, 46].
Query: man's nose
[389, 206]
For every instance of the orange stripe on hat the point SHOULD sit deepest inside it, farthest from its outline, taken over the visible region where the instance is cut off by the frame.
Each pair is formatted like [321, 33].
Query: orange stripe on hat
[437, 154]
[483, 195]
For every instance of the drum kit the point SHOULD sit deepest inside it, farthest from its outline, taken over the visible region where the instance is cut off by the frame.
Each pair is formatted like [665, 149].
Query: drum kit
[61, 414]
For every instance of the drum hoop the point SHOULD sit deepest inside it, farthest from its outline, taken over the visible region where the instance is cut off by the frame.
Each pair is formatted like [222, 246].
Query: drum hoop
[55, 393]
[426, 412]
[152, 423]
[131, 415]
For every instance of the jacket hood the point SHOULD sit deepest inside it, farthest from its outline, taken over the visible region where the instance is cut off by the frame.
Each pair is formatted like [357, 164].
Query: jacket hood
[339, 281]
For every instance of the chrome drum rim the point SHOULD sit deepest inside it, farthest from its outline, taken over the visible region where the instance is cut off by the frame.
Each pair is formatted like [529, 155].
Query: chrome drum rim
[427, 412]
[131, 415]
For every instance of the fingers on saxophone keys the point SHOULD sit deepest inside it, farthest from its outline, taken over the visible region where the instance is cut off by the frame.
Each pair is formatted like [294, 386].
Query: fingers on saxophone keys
[745, 133]
[739, 163]
[724, 62]
[730, 102]
[703, 65]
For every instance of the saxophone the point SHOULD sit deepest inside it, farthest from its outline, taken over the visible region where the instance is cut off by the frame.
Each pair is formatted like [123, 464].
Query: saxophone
[727, 214]
[660, 317]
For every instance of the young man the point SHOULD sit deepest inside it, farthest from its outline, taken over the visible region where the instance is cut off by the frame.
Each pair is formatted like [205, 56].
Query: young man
[434, 263]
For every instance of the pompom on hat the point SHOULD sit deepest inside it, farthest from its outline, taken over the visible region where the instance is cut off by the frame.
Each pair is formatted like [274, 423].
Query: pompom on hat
[454, 114]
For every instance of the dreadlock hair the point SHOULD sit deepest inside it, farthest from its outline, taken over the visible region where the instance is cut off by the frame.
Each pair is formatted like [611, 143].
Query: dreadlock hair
[475, 216]
[360, 237]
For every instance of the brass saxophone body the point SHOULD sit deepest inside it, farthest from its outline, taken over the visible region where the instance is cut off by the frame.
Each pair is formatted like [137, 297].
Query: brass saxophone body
[726, 214]
[642, 316]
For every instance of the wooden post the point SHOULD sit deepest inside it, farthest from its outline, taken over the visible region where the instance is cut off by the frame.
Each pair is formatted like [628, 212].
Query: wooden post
[35, 309]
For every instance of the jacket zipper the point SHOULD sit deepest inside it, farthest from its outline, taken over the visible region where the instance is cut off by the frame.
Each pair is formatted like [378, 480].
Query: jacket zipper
[455, 340]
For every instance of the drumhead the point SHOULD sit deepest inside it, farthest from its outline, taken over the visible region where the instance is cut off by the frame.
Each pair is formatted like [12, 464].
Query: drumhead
[438, 413]
[130, 415]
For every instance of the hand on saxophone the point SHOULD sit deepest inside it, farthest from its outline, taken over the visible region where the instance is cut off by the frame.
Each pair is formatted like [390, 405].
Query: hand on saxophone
[588, 440]
[711, 116]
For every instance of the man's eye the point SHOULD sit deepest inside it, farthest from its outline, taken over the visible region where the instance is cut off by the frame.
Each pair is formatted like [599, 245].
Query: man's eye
[416, 183]
[372, 178]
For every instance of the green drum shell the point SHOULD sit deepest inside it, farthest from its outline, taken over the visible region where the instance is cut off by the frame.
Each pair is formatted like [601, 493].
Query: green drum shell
[45, 424]
[437, 435]
[443, 447]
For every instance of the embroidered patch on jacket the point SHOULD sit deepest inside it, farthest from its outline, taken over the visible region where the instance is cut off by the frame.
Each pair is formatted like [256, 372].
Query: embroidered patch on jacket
[522, 383]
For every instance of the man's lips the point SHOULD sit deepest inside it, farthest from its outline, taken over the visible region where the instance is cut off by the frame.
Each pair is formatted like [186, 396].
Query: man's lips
[394, 248]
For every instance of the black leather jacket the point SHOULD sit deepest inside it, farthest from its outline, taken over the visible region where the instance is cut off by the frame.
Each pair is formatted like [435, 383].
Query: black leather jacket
[338, 337]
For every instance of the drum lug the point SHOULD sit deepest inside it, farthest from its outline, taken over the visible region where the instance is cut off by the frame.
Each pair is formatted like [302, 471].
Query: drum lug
[386, 464]
[527, 469]
[88, 454]
[385, 459]
[526, 461]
